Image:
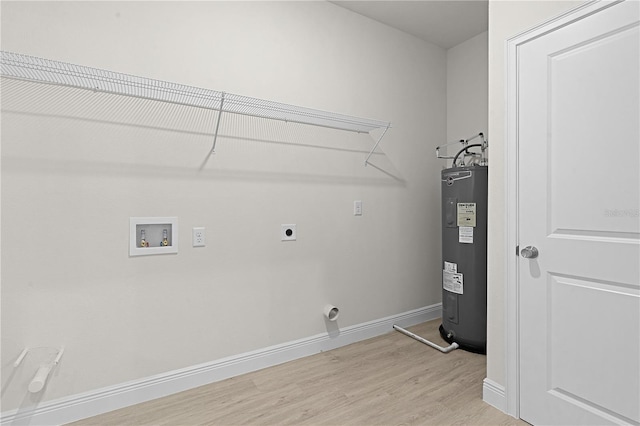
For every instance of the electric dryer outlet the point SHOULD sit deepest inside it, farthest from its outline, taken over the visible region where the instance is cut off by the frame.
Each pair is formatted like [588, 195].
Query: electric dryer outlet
[288, 232]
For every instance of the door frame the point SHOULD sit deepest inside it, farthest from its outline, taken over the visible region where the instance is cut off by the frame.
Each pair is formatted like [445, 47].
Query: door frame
[511, 159]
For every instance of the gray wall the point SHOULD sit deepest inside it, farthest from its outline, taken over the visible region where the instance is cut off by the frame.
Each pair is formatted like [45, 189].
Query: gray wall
[467, 89]
[76, 166]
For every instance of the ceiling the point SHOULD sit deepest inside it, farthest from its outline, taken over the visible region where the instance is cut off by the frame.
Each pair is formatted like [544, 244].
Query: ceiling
[445, 23]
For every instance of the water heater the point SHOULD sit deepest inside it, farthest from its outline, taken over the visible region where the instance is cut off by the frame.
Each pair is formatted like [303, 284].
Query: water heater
[464, 249]
[464, 256]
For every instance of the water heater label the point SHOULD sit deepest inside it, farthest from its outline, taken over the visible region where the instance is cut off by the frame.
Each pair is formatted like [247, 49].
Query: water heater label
[452, 282]
[450, 267]
[465, 234]
[466, 214]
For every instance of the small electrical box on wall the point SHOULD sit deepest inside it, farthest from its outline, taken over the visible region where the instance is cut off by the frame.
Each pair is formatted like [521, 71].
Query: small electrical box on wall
[153, 235]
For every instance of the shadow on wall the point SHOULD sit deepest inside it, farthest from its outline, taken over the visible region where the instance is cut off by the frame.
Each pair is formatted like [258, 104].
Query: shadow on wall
[49, 128]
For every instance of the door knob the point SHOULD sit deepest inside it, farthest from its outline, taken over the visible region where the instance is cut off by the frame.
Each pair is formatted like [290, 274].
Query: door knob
[529, 252]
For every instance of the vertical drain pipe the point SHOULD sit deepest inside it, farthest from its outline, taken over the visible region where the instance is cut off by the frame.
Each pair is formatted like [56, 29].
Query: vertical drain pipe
[446, 350]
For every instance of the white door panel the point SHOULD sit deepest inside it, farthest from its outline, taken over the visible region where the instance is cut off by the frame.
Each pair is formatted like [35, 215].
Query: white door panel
[586, 78]
[579, 204]
[595, 340]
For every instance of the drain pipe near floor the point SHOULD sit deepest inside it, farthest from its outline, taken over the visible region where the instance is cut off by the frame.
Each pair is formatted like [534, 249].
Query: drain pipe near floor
[446, 350]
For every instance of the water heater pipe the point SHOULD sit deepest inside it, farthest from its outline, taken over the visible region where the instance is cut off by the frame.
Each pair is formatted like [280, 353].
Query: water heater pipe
[466, 151]
[448, 349]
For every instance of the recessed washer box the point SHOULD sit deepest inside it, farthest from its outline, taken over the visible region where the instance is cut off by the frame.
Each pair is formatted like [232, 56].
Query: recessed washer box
[153, 235]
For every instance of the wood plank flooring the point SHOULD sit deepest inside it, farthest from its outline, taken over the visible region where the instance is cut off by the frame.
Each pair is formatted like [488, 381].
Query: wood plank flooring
[388, 380]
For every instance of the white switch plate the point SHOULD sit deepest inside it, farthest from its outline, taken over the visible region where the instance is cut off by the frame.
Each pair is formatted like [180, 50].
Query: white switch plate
[357, 208]
[288, 232]
[199, 237]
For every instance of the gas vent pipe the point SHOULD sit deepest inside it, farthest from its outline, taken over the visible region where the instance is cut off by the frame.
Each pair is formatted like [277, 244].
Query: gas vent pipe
[446, 350]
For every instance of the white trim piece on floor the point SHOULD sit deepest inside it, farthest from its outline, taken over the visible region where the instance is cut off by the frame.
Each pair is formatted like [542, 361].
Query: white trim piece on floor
[92, 403]
[494, 395]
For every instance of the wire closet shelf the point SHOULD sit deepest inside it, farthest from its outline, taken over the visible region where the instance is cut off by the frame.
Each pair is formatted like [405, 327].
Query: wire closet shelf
[31, 68]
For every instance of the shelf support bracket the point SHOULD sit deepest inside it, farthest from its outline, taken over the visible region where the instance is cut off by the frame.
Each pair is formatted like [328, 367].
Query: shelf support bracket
[215, 136]
[366, 161]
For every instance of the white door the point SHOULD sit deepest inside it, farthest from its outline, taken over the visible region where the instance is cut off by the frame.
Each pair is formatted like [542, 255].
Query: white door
[579, 205]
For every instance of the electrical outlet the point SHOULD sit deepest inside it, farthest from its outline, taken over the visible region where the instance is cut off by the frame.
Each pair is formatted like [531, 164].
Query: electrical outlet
[357, 208]
[288, 232]
[199, 239]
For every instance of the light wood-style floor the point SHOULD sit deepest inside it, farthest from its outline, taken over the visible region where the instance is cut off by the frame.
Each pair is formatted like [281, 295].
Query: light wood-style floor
[387, 380]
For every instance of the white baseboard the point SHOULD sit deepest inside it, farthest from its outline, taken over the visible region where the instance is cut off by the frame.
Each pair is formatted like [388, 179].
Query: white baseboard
[88, 404]
[494, 394]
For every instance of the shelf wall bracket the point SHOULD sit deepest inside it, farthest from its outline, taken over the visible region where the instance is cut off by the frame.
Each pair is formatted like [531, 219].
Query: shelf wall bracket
[366, 161]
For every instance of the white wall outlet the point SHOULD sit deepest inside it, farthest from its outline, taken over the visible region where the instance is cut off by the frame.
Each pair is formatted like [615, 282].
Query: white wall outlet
[288, 232]
[357, 208]
[199, 238]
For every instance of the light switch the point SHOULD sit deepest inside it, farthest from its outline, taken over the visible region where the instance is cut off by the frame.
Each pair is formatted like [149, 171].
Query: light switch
[357, 208]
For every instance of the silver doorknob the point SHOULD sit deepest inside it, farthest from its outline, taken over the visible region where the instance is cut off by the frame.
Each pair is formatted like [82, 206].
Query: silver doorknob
[529, 252]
